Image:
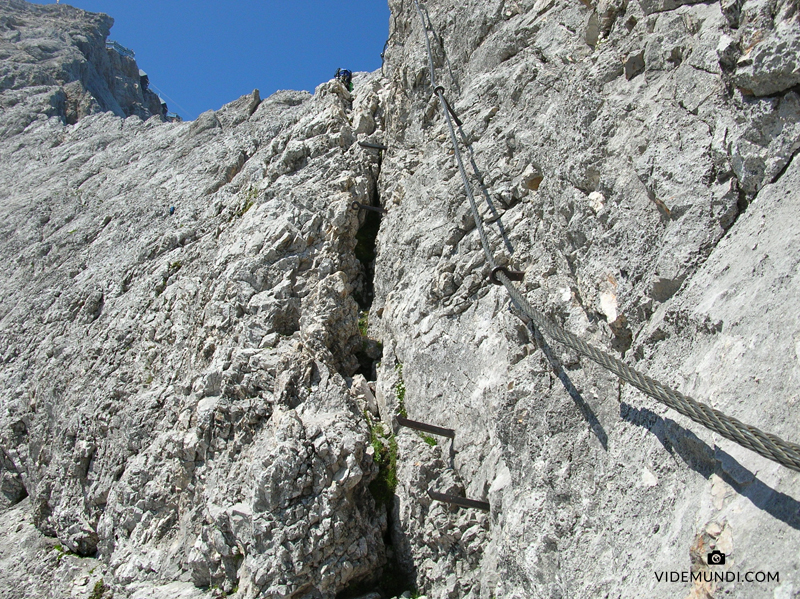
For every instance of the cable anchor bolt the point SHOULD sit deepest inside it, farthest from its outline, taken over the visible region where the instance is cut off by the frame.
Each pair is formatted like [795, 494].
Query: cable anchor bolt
[452, 112]
[513, 275]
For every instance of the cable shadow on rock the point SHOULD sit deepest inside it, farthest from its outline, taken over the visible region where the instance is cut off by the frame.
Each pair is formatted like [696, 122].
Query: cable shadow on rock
[705, 460]
[558, 370]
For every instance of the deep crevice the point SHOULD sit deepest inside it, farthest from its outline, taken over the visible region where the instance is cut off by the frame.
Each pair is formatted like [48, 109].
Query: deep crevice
[365, 254]
[391, 580]
[371, 350]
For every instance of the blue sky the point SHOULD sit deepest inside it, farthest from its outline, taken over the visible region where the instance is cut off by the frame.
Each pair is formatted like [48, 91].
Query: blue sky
[206, 53]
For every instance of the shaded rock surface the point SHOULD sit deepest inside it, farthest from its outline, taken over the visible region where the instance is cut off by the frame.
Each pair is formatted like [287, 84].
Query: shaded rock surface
[187, 400]
[55, 63]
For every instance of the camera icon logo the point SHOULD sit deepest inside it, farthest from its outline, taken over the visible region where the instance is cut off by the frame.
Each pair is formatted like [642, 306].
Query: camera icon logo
[716, 558]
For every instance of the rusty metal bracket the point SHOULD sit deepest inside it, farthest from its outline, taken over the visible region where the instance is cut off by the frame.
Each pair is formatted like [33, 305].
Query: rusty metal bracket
[514, 275]
[452, 112]
[359, 206]
[459, 501]
[374, 146]
[428, 428]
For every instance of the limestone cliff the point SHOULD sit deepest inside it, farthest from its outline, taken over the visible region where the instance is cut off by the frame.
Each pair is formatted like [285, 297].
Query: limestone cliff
[194, 317]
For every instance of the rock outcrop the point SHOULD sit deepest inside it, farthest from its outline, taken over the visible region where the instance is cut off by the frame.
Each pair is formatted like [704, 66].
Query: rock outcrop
[204, 346]
[55, 63]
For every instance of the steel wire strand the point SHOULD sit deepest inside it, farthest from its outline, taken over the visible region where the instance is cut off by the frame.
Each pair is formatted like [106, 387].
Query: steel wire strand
[765, 444]
[464, 178]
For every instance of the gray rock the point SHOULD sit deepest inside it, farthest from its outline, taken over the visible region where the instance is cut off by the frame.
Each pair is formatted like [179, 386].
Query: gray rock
[61, 51]
[768, 35]
[773, 65]
[176, 369]
[187, 393]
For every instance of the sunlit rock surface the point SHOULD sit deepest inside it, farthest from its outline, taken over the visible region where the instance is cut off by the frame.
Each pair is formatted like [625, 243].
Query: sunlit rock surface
[191, 389]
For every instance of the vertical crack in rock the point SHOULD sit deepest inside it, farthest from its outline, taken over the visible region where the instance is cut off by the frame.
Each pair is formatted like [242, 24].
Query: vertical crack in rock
[371, 350]
[365, 249]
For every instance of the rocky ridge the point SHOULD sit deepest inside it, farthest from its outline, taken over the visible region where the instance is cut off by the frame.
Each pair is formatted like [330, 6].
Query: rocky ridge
[55, 63]
[183, 406]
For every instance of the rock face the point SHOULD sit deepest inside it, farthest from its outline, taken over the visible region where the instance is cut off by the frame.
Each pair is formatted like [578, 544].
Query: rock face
[55, 63]
[632, 171]
[172, 382]
[181, 384]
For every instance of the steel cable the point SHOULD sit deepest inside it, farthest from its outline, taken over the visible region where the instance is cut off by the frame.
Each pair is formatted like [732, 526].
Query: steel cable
[765, 444]
[439, 91]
